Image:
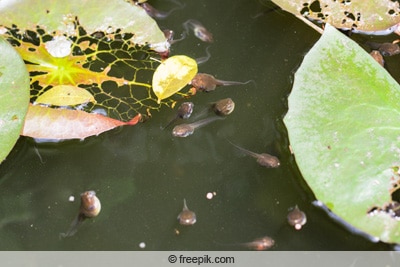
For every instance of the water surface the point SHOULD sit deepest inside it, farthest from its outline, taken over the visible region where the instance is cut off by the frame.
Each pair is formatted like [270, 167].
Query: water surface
[141, 174]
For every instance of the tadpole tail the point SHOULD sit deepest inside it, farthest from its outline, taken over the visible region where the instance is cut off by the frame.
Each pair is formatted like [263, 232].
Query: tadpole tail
[74, 226]
[204, 59]
[178, 7]
[178, 3]
[229, 83]
[158, 14]
[169, 123]
[203, 122]
[248, 152]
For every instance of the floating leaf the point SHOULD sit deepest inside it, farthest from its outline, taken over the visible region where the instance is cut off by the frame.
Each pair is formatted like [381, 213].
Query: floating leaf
[114, 70]
[95, 16]
[172, 75]
[65, 95]
[343, 125]
[367, 16]
[60, 124]
[109, 52]
[14, 97]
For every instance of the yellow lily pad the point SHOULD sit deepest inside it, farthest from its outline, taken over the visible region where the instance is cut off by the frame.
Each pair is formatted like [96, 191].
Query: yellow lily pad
[65, 95]
[172, 75]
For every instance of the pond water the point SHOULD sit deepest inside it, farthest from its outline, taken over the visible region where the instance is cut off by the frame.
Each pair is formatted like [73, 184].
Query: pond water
[141, 173]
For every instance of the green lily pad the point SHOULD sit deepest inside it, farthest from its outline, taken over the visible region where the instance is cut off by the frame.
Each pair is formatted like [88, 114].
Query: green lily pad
[343, 128]
[367, 16]
[14, 97]
[102, 16]
[95, 57]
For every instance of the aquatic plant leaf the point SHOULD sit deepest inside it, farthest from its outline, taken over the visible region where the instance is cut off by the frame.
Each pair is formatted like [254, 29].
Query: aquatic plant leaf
[367, 16]
[14, 97]
[60, 124]
[108, 65]
[94, 16]
[343, 129]
[114, 70]
[65, 95]
[108, 52]
[172, 75]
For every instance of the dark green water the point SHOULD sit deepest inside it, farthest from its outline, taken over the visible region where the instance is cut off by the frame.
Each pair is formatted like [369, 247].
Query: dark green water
[141, 174]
